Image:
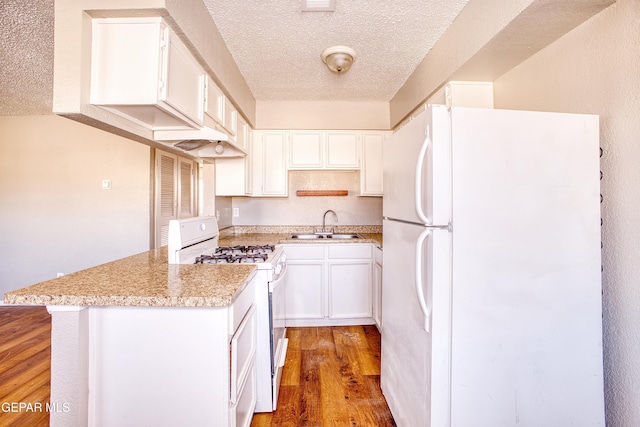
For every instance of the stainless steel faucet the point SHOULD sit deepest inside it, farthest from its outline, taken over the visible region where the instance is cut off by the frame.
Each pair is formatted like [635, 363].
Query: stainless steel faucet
[324, 219]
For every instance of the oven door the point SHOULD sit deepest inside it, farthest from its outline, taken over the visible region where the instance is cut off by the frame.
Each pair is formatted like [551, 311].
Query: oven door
[279, 341]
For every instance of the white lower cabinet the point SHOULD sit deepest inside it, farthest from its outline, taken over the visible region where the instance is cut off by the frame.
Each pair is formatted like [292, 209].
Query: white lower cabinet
[349, 289]
[305, 290]
[170, 366]
[304, 282]
[329, 284]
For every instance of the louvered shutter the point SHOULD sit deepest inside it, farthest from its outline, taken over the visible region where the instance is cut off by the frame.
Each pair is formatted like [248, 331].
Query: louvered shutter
[175, 195]
[166, 187]
[186, 187]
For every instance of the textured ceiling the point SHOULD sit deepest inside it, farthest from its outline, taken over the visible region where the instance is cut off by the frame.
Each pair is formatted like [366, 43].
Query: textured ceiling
[277, 46]
[26, 57]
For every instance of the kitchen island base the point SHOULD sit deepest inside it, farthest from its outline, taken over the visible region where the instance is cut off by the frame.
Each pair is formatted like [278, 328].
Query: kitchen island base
[160, 366]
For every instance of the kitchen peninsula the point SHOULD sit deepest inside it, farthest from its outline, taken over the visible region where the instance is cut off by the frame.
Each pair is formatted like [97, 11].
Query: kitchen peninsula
[141, 334]
[140, 342]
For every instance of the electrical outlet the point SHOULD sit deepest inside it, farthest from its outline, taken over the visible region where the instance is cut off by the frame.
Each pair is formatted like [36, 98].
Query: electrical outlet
[106, 184]
[236, 212]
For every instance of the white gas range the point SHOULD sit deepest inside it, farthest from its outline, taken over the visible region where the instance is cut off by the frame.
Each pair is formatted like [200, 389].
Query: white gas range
[195, 241]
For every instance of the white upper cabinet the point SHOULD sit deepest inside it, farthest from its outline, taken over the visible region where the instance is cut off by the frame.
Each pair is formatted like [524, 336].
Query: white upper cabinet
[230, 117]
[214, 102]
[234, 176]
[269, 165]
[343, 150]
[243, 133]
[141, 70]
[315, 149]
[231, 176]
[371, 169]
[306, 150]
[220, 109]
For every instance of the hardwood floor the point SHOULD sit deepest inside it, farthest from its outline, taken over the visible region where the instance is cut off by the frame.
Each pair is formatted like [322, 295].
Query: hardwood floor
[25, 363]
[331, 375]
[331, 378]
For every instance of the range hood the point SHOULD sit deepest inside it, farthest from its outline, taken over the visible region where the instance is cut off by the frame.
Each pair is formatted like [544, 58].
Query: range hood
[205, 143]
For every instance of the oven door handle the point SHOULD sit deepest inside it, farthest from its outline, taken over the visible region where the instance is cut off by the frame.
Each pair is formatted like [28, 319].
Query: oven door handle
[275, 283]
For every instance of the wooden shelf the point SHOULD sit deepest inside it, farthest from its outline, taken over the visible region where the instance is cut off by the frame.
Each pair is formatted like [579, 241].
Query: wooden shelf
[322, 193]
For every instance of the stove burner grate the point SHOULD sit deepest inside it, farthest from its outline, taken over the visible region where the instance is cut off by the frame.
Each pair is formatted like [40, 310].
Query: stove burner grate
[213, 259]
[237, 254]
[245, 249]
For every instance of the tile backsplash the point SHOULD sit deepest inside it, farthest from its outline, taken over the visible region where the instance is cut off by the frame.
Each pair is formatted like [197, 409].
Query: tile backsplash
[308, 210]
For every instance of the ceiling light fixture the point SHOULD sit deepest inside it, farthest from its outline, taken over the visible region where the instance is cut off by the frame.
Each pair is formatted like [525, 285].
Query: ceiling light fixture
[338, 58]
[318, 5]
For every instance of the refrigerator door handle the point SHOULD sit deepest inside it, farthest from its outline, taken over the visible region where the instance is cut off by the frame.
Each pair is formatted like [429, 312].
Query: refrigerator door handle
[418, 176]
[419, 276]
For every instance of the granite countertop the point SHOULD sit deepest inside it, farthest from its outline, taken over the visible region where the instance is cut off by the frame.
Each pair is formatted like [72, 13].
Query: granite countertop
[140, 280]
[147, 280]
[274, 235]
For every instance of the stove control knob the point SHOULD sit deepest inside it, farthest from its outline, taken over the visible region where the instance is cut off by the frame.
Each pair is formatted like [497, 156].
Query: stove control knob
[203, 226]
[278, 269]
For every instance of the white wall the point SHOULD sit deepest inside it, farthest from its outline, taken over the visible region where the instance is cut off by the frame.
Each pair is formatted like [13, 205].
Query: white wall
[294, 210]
[596, 69]
[322, 115]
[54, 216]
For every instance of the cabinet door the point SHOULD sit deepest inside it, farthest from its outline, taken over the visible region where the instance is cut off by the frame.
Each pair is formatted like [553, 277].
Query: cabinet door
[143, 73]
[304, 289]
[234, 176]
[230, 176]
[349, 289]
[342, 150]
[242, 133]
[230, 117]
[270, 168]
[306, 150]
[125, 61]
[371, 172]
[248, 161]
[183, 81]
[214, 106]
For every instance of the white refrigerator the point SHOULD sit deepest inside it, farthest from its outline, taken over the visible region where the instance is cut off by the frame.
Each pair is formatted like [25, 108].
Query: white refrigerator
[491, 291]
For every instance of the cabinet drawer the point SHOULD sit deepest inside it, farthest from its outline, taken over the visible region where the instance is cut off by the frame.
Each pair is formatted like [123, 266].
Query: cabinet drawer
[238, 309]
[243, 350]
[242, 412]
[350, 251]
[304, 251]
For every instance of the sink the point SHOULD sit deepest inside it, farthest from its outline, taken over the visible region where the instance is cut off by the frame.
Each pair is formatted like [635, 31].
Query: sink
[324, 236]
[343, 236]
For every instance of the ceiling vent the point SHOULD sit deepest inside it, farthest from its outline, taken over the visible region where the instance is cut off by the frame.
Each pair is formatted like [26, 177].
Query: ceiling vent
[318, 5]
